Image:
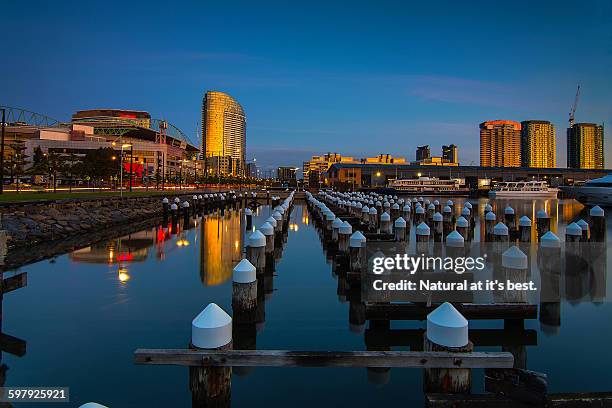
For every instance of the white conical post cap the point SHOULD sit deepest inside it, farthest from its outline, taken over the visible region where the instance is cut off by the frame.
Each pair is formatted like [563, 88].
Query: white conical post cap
[174, 207]
[257, 240]
[426, 202]
[514, 258]
[447, 327]
[488, 207]
[406, 208]
[272, 221]
[385, 217]
[373, 211]
[92, 405]
[165, 200]
[212, 328]
[573, 229]
[395, 206]
[446, 209]
[420, 210]
[365, 209]
[185, 204]
[200, 196]
[346, 228]
[437, 217]
[400, 223]
[244, 272]
[422, 229]
[330, 216]
[500, 229]
[431, 207]
[509, 210]
[454, 239]
[468, 205]
[357, 239]
[277, 216]
[436, 202]
[267, 229]
[450, 203]
[195, 197]
[525, 221]
[542, 214]
[462, 222]
[490, 216]
[596, 211]
[465, 212]
[177, 200]
[337, 223]
[583, 224]
[248, 212]
[550, 240]
[387, 204]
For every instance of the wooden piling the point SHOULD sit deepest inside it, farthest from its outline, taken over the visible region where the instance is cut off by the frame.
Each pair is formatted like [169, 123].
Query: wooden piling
[598, 224]
[400, 229]
[542, 223]
[256, 251]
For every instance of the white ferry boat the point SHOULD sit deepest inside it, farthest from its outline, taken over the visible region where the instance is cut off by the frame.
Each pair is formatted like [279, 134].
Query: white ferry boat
[593, 192]
[523, 189]
[428, 185]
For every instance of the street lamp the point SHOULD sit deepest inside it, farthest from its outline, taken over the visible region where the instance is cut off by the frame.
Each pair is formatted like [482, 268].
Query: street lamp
[123, 146]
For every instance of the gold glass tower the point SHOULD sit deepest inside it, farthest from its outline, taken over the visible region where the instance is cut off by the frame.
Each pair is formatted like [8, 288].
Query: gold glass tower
[500, 143]
[538, 144]
[585, 146]
[223, 134]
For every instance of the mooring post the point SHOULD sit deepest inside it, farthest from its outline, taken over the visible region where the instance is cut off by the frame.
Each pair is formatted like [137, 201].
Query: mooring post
[447, 216]
[211, 386]
[585, 229]
[248, 215]
[431, 210]
[174, 214]
[490, 218]
[549, 263]
[437, 206]
[385, 223]
[186, 215]
[357, 252]
[438, 226]
[373, 219]
[419, 215]
[573, 233]
[510, 220]
[598, 224]
[500, 237]
[542, 223]
[400, 229]
[447, 330]
[344, 234]
[256, 251]
[524, 229]
[463, 227]
[268, 230]
[244, 292]
[165, 207]
[336, 224]
[455, 245]
[406, 212]
[395, 211]
[422, 238]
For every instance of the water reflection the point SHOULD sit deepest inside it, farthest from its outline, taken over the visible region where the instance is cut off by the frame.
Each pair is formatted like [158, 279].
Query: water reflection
[221, 242]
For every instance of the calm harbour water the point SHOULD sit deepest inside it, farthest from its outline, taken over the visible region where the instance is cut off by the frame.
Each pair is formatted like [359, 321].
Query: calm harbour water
[83, 314]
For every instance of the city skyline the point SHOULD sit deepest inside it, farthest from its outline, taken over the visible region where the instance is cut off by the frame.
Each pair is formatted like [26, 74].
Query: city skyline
[308, 91]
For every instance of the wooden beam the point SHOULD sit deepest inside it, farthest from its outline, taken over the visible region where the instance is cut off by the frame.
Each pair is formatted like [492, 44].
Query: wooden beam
[471, 401]
[14, 282]
[480, 337]
[412, 311]
[13, 345]
[279, 358]
[580, 400]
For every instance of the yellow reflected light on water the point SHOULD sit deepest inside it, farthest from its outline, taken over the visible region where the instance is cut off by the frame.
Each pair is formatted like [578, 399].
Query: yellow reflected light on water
[123, 275]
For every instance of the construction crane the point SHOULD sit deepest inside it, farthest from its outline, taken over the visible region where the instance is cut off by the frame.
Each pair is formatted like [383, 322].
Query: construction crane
[573, 110]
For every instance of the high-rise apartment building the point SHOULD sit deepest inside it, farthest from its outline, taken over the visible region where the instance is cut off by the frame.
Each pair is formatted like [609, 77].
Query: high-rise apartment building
[585, 146]
[315, 169]
[450, 154]
[500, 143]
[423, 153]
[538, 144]
[223, 134]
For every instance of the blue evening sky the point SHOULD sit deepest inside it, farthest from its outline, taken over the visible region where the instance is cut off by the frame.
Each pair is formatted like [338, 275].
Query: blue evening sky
[356, 77]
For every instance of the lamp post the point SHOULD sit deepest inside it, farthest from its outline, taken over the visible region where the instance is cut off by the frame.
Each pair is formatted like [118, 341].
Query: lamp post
[123, 146]
[2, 152]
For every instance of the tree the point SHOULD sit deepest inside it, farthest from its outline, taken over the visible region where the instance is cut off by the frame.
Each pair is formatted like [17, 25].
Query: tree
[100, 164]
[55, 163]
[38, 156]
[15, 165]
